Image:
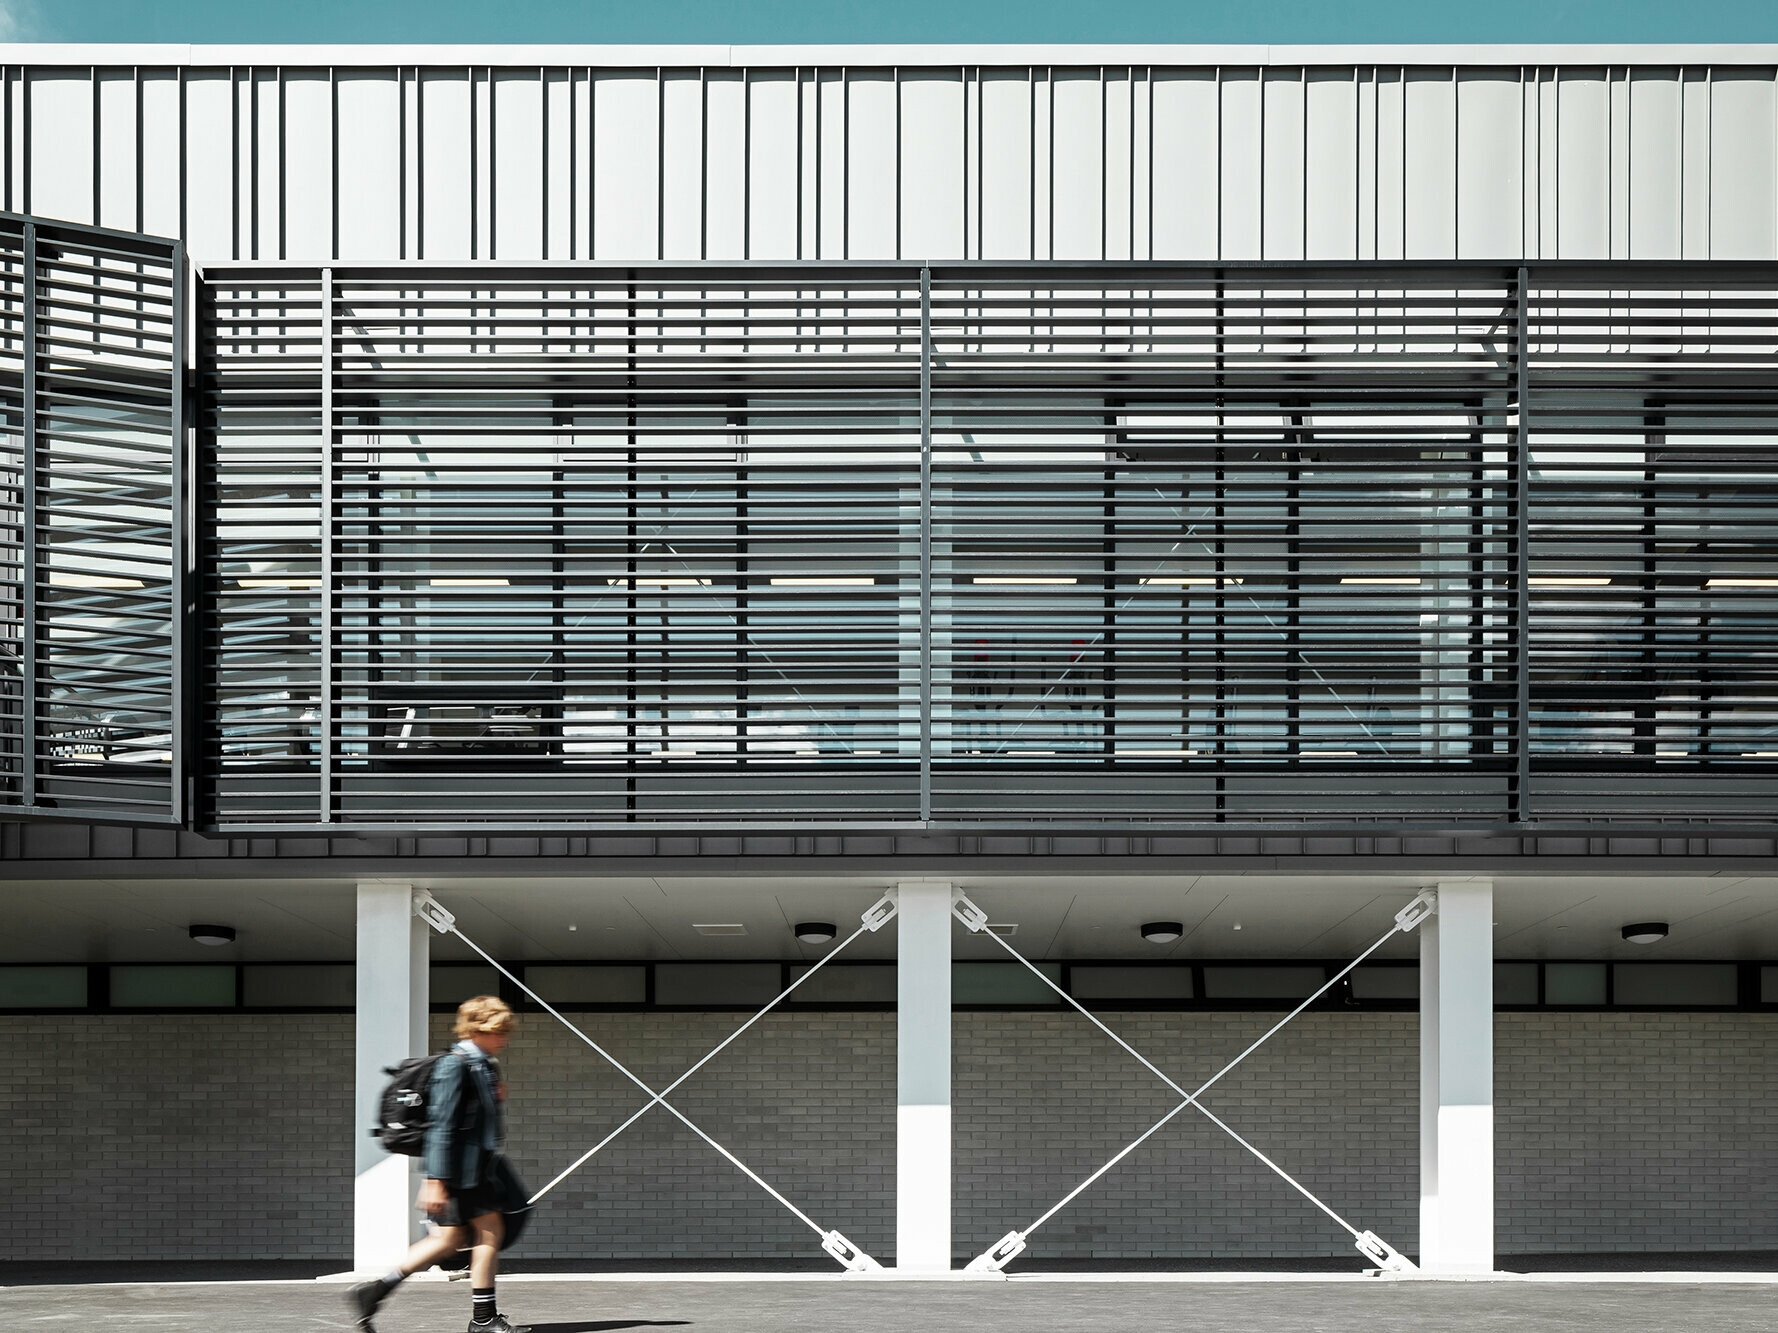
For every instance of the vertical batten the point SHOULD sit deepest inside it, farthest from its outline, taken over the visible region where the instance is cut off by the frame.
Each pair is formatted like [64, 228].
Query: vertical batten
[1491, 171]
[1653, 194]
[971, 161]
[1284, 166]
[1743, 223]
[1184, 195]
[1331, 175]
[871, 205]
[771, 162]
[446, 185]
[1004, 128]
[61, 145]
[684, 183]
[1078, 164]
[1118, 189]
[725, 180]
[116, 150]
[931, 202]
[1429, 223]
[1241, 185]
[369, 164]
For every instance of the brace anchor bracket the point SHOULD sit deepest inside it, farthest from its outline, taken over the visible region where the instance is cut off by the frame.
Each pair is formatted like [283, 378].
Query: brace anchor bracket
[967, 912]
[853, 1259]
[1425, 903]
[882, 911]
[1387, 1257]
[432, 912]
[998, 1255]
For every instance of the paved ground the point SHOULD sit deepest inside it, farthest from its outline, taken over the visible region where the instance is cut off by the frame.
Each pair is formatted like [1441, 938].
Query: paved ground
[841, 1307]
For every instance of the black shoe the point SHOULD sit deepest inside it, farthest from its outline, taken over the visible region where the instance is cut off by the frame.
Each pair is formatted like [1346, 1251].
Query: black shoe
[498, 1324]
[364, 1297]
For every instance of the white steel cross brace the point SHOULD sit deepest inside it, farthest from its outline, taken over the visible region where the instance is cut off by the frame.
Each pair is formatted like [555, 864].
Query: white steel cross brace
[1010, 1246]
[874, 918]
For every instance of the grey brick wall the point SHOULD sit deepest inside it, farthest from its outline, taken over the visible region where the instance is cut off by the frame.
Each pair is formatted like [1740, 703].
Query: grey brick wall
[178, 1137]
[228, 1136]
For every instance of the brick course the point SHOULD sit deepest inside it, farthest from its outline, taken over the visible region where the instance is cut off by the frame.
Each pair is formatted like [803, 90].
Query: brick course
[228, 1136]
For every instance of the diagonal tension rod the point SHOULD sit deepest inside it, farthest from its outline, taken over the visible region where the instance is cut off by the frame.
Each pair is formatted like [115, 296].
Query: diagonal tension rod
[836, 1245]
[1010, 1246]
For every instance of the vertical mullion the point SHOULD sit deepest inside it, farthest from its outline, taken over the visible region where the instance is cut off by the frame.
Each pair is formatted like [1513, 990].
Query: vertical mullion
[925, 544]
[28, 516]
[1521, 539]
[329, 572]
[183, 543]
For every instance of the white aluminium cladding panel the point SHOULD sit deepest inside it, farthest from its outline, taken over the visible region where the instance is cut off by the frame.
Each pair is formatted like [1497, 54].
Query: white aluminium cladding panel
[903, 153]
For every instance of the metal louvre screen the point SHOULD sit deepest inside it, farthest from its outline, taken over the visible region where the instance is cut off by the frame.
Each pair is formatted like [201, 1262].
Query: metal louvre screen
[984, 546]
[610, 549]
[1653, 643]
[1224, 544]
[92, 381]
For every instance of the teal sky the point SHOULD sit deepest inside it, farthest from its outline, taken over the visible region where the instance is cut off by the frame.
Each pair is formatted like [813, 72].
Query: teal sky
[754, 21]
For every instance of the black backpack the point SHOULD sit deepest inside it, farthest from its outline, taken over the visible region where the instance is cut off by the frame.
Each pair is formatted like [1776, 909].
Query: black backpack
[402, 1115]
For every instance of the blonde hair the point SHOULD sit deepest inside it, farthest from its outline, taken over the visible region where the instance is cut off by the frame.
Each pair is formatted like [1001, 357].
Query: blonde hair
[484, 1013]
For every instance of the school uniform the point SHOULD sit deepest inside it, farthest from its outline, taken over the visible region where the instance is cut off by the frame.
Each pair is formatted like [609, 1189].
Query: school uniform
[464, 1139]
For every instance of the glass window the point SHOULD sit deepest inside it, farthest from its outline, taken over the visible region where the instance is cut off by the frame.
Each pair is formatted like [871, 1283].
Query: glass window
[173, 986]
[453, 983]
[1262, 983]
[716, 983]
[846, 983]
[1574, 983]
[584, 984]
[1674, 983]
[299, 985]
[42, 987]
[1131, 983]
[1515, 983]
[1002, 983]
[1386, 983]
[1768, 985]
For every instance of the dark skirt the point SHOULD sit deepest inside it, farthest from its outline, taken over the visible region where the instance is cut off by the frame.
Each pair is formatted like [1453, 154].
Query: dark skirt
[502, 1192]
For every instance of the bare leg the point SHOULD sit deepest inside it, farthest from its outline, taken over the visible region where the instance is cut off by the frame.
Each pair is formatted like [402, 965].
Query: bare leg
[484, 1262]
[425, 1253]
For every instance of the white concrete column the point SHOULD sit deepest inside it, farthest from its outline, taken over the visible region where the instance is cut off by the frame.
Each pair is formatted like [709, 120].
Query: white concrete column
[923, 1079]
[1457, 1081]
[394, 950]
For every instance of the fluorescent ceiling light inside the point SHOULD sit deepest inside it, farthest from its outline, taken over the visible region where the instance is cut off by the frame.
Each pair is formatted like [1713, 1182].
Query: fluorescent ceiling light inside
[659, 581]
[1020, 579]
[1565, 582]
[1188, 580]
[1384, 582]
[1759, 754]
[1157, 754]
[1742, 583]
[1328, 754]
[279, 583]
[471, 583]
[802, 582]
[62, 579]
[719, 928]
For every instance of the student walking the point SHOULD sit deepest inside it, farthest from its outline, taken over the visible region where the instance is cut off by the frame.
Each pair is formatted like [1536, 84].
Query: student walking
[462, 1193]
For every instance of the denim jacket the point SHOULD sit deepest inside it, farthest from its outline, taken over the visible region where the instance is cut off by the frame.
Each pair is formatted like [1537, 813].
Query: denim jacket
[467, 1123]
